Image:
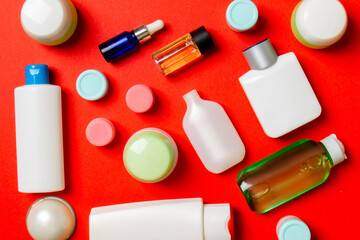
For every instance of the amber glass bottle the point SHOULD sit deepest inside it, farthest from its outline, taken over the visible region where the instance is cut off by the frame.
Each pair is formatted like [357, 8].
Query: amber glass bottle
[183, 51]
[289, 172]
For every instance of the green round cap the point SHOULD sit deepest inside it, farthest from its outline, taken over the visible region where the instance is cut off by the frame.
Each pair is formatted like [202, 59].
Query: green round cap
[150, 155]
[91, 85]
[241, 15]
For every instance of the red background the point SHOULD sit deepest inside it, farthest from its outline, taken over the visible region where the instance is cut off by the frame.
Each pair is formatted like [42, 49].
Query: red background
[95, 176]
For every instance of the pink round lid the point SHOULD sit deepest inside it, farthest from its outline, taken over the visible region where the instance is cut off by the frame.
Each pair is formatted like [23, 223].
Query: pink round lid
[140, 98]
[100, 132]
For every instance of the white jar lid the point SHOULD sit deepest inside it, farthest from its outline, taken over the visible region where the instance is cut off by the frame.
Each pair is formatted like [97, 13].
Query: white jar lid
[48, 21]
[321, 22]
[50, 218]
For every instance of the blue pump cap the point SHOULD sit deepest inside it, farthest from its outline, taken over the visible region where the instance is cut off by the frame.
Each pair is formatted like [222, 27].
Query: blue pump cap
[36, 74]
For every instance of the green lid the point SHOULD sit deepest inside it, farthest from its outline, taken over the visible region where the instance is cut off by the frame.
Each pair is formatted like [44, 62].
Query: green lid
[150, 155]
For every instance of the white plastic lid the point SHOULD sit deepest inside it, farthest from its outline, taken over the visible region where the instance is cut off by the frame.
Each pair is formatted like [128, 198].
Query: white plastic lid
[321, 22]
[335, 148]
[216, 221]
[50, 218]
[48, 21]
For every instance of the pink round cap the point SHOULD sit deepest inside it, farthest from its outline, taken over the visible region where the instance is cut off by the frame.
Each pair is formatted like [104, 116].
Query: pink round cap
[140, 98]
[100, 132]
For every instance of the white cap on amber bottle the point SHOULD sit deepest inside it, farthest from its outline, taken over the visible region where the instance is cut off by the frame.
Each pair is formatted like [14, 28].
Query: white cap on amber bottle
[335, 148]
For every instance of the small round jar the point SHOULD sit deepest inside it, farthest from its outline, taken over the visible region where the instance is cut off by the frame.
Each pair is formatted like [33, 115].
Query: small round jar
[241, 15]
[150, 155]
[92, 85]
[319, 23]
[140, 98]
[292, 228]
[50, 22]
[50, 218]
[100, 132]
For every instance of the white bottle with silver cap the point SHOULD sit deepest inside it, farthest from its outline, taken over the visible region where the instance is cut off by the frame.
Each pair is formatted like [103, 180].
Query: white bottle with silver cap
[176, 219]
[278, 90]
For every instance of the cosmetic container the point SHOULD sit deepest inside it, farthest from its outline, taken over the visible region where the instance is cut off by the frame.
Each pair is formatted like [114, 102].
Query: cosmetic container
[183, 51]
[278, 90]
[150, 155]
[289, 172]
[212, 134]
[39, 140]
[50, 22]
[126, 42]
[92, 85]
[319, 23]
[241, 15]
[50, 218]
[140, 98]
[292, 228]
[100, 132]
[176, 219]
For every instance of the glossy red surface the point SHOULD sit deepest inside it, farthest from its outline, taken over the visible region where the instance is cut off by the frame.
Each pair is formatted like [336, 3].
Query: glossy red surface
[96, 176]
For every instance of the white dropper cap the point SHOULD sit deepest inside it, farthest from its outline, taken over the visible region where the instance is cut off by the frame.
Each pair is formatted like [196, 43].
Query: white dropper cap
[155, 26]
[335, 148]
[216, 221]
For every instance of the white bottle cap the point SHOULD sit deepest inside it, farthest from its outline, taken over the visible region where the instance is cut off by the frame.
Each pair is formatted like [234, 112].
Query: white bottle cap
[155, 26]
[335, 148]
[216, 221]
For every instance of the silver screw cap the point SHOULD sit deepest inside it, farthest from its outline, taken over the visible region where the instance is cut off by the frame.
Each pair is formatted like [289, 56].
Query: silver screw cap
[261, 55]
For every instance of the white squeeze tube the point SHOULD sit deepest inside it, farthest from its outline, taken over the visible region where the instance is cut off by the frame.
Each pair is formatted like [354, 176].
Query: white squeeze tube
[39, 142]
[177, 219]
[212, 134]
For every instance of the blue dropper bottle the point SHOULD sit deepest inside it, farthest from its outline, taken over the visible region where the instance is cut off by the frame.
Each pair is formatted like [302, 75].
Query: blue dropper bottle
[127, 41]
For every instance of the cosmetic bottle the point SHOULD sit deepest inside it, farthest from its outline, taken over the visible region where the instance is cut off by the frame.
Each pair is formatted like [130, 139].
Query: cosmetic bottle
[278, 90]
[212, 134]
[183, 51]
[319, 23]
[289, 172]
[126, 42]
[49, 22]
[39, 141]
[176, 219]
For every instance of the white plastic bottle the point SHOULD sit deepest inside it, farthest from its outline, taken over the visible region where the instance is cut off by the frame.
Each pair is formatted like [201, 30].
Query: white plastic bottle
[39, 143]
[212, 134]
[278, 90]
[178, 219]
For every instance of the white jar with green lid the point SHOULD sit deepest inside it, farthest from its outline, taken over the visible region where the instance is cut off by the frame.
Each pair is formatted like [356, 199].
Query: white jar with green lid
[319, 23]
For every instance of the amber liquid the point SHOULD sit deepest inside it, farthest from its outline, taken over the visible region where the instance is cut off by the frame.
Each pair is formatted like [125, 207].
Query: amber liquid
[284, 175]
[176, 55]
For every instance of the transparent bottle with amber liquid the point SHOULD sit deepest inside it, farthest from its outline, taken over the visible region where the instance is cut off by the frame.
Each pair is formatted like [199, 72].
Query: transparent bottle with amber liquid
[183, 51]
[289, 172]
